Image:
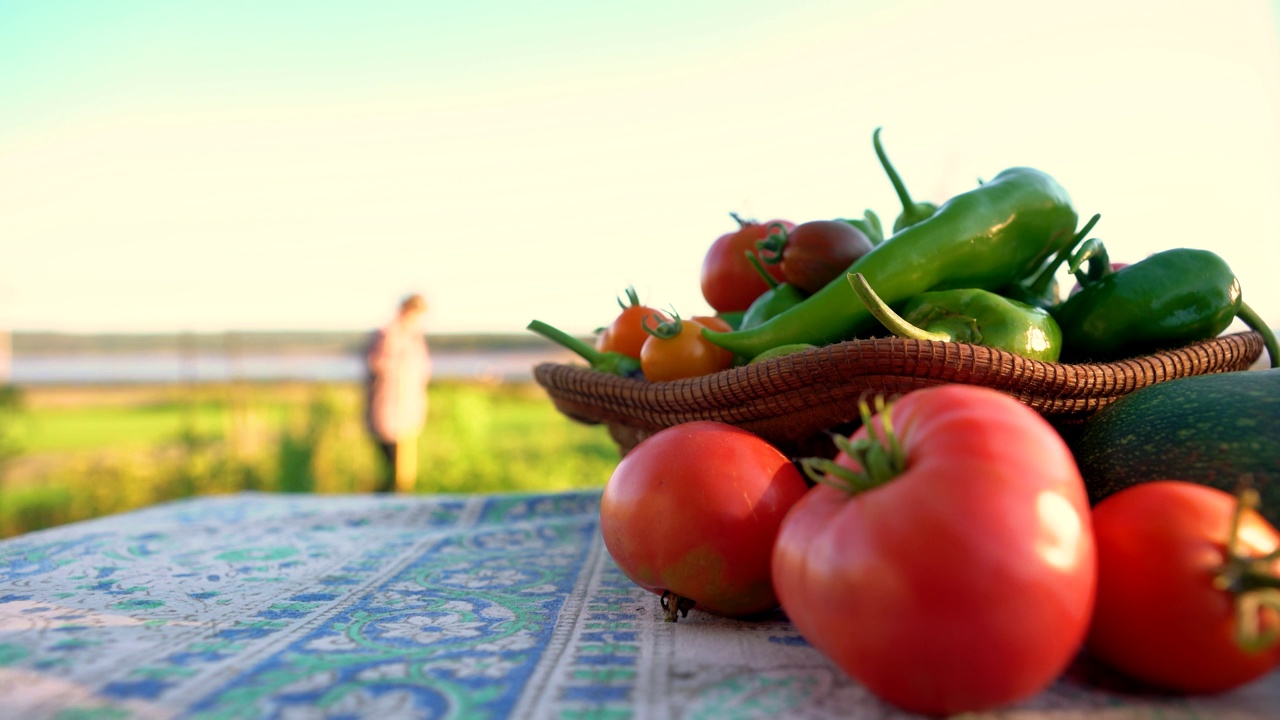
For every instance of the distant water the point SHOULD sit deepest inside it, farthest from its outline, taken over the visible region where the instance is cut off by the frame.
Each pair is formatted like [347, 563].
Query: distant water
[168, 367]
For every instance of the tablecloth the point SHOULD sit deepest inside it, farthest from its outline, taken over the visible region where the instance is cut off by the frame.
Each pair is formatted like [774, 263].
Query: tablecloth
[291, 607]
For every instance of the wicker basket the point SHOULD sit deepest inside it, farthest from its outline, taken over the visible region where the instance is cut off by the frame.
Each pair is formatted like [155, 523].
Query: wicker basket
[794, 400]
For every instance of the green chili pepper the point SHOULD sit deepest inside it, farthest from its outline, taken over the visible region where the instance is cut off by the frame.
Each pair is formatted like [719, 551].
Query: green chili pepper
[779, 298]
[912, 212]
[779, 351]
[968, 315]
[610, 362]
[734, 318]
[1169, 299]
[986, 238]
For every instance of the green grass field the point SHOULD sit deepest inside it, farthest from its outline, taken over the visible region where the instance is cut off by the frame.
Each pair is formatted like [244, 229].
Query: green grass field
[78, 453]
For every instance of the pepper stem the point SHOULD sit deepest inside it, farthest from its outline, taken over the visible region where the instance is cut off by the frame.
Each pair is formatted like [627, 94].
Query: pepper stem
[755, 263]
[1258, 325]
[560, 337]
[1040, 284]
[892, 321]
[889, 170]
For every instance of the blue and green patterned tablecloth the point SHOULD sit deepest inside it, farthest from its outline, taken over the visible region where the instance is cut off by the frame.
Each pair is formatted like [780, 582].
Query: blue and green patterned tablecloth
[267, 606]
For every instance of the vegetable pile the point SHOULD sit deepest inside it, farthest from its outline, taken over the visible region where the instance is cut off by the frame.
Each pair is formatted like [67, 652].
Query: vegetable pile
[981, 268]
[948, 557]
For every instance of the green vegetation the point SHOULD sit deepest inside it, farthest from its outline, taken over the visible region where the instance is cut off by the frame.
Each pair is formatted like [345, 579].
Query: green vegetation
[72, 454]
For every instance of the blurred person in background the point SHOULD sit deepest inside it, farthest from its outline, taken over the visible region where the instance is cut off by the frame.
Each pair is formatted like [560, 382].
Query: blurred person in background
[399, 368]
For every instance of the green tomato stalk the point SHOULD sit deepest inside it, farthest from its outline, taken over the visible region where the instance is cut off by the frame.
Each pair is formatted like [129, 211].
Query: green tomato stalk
[1251, 581]
[879, 454]
[614, 363]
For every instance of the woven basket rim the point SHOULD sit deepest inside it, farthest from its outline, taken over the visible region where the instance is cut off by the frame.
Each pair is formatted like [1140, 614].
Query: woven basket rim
[791, 396]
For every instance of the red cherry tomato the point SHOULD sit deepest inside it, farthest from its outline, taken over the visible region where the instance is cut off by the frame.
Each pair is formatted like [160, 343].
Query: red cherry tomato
[693, 510]
[676, 349]
[626, 333]
[1159, 617]
[729, 281]
[964, 582]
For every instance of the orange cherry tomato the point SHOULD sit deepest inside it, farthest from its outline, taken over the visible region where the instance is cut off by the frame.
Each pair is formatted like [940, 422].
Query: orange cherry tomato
[717, 324]
[626, 333]
[676, 349]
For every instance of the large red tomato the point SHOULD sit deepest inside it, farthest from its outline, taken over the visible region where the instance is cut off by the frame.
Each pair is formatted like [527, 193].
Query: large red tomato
[730, 283]
[963, 582]
[691, 513]
[1160, 617]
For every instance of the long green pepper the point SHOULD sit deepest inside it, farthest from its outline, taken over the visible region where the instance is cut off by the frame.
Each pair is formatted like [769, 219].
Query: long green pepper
[987, 238]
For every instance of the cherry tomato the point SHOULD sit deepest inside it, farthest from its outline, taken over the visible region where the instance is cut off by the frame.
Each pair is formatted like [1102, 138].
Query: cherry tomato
[626, 333]
[1160, 617]
[676, 349]
[963, 578]
[693, 510]
[718, 324]
[729, 282]
[814, 253]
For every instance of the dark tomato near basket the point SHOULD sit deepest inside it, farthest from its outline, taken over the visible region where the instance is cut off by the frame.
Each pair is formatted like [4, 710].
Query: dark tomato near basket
[817, 252]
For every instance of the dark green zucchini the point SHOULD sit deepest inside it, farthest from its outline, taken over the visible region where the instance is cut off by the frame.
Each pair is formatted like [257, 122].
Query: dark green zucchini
[1212, 429]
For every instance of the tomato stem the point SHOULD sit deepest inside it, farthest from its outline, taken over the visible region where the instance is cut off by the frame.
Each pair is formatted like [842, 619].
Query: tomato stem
[675, 606]
[632, 297]
[754, 259]
[664, 329]
[881, 457]
[771, 248]
[1251, 581]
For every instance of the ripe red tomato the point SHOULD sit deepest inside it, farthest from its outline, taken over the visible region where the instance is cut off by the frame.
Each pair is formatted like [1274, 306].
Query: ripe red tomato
[626, 333]
[676, 349]
[1159, 616]
[693, 510]
[963, 583]
[729, 281]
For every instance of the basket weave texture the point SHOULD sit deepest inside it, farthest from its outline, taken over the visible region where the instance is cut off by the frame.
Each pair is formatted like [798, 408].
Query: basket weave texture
[793, 401]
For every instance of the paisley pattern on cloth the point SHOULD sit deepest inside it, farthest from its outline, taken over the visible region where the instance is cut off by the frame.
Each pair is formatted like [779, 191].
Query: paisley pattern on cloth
[296, 607]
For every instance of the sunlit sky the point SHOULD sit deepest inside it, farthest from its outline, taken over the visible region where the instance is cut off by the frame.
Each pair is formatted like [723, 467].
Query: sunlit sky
[251, 165]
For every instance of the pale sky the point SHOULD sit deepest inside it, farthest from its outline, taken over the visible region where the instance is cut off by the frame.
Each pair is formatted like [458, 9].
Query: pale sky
[248, 165]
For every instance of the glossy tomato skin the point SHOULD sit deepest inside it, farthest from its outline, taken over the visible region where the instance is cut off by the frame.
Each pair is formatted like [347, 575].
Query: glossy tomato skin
[718, 324]
[963, 584]
[729, 282]
[1158, 617]
[820, 251]
[684, 355]
[694, 509]
[626, 333]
